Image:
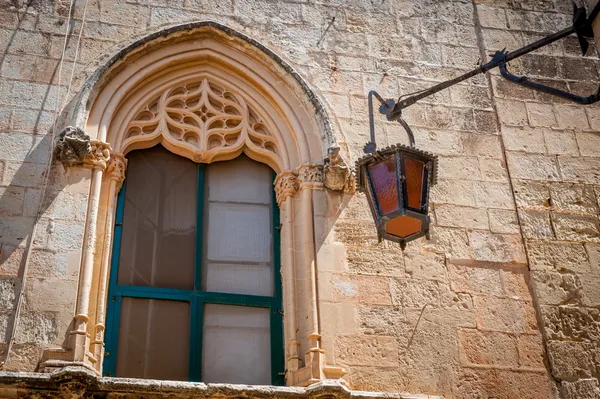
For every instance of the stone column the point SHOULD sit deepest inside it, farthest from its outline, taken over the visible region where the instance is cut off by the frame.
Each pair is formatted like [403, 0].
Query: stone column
[286, 186]
[79, 339]
[311, 178]
[116, 174]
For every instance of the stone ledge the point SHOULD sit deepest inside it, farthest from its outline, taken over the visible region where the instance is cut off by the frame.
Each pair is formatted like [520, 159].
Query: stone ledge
[77, 382]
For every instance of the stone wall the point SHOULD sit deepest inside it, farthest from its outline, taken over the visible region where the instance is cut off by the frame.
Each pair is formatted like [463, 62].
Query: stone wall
[511, 270]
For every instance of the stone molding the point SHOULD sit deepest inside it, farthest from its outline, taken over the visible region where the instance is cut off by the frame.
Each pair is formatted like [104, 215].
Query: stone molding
[78, 382]
[286, 185]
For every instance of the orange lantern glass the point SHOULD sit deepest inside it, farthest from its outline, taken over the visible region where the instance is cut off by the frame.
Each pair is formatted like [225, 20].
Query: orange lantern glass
[396, 181]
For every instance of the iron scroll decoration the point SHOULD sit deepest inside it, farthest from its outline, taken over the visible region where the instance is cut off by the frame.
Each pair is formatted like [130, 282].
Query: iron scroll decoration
[397, 179]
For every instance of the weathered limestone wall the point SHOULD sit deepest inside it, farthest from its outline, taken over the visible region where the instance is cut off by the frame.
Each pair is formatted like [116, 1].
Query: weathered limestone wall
[460, 315]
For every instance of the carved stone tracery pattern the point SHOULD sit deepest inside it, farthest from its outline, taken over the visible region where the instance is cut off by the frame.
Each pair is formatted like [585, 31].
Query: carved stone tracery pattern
[286, 185]
[204, 117]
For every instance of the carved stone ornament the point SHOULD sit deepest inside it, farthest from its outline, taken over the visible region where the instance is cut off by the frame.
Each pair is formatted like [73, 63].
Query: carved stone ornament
[73, 146]
[286, 185]
[337, 175]
[116, 167]
[204, 119]
[311, 176]
[99, 155]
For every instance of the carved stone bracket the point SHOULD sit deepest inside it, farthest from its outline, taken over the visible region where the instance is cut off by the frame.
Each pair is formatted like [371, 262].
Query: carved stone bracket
[310, 176]
[99, 155]
[115, 169]
[286, 185]
[73, 146]
[337, 176]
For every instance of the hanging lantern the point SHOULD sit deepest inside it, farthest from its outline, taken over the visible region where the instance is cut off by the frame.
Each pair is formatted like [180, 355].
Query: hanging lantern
[396, 181]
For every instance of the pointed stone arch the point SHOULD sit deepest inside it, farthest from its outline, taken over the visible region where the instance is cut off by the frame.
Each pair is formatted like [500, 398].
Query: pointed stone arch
[208, 93]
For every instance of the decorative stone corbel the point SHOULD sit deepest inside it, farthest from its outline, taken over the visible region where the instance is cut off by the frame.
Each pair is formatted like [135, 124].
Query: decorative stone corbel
[310, 176]
[98, 156]
[73, 146]
[337, 176]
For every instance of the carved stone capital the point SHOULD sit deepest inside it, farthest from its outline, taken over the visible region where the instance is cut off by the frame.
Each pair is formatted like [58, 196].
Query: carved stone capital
[310, 176]
[115, 169]
[286, 185]
[99, 156]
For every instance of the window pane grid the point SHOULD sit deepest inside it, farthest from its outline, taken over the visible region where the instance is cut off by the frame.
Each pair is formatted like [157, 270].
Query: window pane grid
[198, 298]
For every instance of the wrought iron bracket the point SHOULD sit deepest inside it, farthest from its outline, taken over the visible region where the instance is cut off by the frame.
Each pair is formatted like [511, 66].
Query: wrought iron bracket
[582, 27]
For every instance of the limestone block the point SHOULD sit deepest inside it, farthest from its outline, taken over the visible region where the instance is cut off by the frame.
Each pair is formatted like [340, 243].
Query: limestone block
[362, 289]
[367, 350]
[590, 290]
[493, 170]
[37, 327]
[535, 20]
[493, 195]
[51, 294]
[583, 169]
[11, 201]
[502, 384]
[531, 350]
[482, 145]
[339, 318]
[523, 139]
[556, 289]
[583, 389]
[512, 113]
[503, 314]
[437, 31]
[356, 232]
[19, 147]
[541, 114]
[570, 360]
[571, 322]
[485, 121]
[457, 192]
[572, 227]
[375, 260]
[574, 197]
[515, 283]
[458, 168]
[425, 265]
[532, 166]
[454, 243]
[593, 252]
[14, 229]
[24, 174]
[504, 248]
[8, 292]
[571, 117]
[492, 17]
[460, 216]
[503, 221]
[419, 293]
[588, 144]
[561, 142]
[488, 347]
[536, 224]
[388, 320]
[561, 256]
[531, 194]
[475, 279]
[506, 89]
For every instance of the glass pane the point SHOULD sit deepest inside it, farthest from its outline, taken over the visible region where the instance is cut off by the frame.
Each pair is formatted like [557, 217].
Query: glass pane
[159, 221]
[251, 279]
[384, 180]
[154, 339]
[239, 232]
[414, 181]
[403, 226]
[237, 345]
[240, 180]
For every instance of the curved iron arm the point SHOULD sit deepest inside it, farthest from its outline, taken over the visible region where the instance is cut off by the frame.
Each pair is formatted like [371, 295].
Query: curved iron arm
[524, 81]
[385, 107]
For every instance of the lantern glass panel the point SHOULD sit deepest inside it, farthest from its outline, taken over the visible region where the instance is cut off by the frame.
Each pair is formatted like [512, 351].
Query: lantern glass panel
[385, 182]
[403, 226]
[414, 181]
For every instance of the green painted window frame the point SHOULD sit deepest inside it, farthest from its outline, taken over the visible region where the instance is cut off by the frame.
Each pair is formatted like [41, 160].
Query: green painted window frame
[196, 297]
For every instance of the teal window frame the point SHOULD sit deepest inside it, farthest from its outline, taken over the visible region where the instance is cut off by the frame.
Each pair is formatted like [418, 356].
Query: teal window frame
[195, 297]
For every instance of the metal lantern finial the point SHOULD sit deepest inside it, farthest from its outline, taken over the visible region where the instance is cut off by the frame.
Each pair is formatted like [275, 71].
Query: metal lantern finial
[396, 181]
